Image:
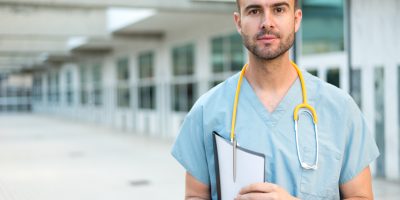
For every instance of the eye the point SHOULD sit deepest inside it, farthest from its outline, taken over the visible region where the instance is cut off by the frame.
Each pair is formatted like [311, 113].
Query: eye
[254, 12]
[279, 10]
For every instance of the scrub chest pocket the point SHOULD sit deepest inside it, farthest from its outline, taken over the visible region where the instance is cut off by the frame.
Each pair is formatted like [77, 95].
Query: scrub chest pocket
[322, 183]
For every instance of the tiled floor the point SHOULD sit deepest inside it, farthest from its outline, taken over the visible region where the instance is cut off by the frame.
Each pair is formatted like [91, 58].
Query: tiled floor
[48, 158]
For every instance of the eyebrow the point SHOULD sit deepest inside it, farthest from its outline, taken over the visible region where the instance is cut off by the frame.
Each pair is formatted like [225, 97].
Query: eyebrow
[252, 6]
[281, 4]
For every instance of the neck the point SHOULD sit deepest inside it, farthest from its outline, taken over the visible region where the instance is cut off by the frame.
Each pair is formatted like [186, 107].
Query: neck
[271, 75]
[270, 79]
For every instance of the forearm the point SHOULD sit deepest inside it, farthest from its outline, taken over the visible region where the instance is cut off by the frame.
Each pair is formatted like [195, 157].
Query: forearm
[195, 190]
[195, 198]
[358, 198]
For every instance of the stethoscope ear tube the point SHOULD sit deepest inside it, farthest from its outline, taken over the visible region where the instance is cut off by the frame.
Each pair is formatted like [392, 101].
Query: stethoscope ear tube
[303, 107]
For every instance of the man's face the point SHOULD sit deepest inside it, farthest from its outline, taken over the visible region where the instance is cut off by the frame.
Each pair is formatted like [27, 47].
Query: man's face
[268, 26]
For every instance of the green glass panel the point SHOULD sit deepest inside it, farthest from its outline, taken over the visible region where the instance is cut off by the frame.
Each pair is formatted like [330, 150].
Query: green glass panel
[69, 92]
[236, 52]
[356, 86]
[183, 60]
[217, 54]
[123, 97]
[380, 119]
[146, 68]
[147, 97]
[314, 72]
[322, 26]
[184, 96]
[333, 77]
[123, 69]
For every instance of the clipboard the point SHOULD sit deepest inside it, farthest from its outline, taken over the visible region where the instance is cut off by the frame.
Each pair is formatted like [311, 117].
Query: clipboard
[250, 167]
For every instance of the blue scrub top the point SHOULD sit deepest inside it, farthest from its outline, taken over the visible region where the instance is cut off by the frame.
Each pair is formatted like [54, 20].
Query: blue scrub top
[346, 146]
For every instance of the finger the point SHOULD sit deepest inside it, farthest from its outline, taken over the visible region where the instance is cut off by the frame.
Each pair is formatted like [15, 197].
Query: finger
[257, 196]
[250, 196]
[258, 188]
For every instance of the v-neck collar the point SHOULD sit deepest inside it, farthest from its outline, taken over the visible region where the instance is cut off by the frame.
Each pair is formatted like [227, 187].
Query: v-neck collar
[291, 98]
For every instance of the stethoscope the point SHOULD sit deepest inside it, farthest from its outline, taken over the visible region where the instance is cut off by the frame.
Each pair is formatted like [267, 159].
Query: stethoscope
[301, 108]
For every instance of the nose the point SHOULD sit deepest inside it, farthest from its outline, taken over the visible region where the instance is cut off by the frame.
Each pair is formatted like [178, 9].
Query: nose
[267, 21]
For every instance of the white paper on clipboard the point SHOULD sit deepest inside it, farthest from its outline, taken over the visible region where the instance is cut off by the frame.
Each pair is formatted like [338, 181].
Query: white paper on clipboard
[250, 167]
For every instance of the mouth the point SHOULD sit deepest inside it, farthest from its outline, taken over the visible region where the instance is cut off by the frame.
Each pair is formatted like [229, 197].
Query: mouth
[267, 38]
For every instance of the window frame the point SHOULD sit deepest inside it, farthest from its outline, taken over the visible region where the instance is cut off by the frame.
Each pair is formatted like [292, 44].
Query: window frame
[182, 101]
[146, 89]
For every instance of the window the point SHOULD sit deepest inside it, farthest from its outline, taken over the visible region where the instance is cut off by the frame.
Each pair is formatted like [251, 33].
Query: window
[184, 96]
[97, 85]
[236, 56]
[215, 83]
[56, 88]
[146, 97]
[69, 92]
[218, 54]
[146, 90]
[380, 119]
[227, 55]
[37, 88]
[123, 94]
[53, 89]
[84, 97]
[314, 72]
[356, 86]
[49, 86]
[183, 90]
[183, 60]
[146, 69]
[398, 96]
[322, 26]
[333, 77]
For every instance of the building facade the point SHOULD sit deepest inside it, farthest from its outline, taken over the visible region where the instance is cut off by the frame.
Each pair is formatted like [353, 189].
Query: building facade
[148, 73]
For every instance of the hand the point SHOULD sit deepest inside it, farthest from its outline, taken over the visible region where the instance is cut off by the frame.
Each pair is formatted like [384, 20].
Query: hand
[261, 191]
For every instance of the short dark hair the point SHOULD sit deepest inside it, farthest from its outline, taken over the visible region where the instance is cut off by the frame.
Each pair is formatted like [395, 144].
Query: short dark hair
[296, 4]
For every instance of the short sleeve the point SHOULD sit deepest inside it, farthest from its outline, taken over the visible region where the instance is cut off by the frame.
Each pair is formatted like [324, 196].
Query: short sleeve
[360, 147]
[189, 149]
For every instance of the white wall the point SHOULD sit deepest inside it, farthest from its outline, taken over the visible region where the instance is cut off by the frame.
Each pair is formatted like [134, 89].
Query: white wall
[159, 122]
[375, 31]
[375, 42]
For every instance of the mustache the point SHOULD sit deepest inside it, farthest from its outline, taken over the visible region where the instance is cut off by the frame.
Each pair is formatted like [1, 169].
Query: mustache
[264, 32]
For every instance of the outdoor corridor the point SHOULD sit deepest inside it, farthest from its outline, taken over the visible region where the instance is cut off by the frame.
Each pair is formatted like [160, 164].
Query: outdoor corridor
[48, 158]
[43, 157]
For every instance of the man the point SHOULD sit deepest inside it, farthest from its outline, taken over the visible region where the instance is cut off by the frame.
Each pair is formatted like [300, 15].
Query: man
[269, 94]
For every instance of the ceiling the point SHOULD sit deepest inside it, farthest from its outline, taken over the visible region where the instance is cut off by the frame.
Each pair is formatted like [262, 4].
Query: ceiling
[35, 31]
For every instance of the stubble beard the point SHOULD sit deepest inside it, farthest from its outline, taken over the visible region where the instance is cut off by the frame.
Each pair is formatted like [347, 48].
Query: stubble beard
[266, 52]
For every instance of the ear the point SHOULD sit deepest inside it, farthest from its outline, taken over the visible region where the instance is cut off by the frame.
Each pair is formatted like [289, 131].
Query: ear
[298, 16]
[238, 22]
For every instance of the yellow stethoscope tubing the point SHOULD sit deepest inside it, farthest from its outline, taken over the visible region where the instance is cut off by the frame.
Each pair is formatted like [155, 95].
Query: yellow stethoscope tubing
[235, 104]
[311, 111]
[305, 103]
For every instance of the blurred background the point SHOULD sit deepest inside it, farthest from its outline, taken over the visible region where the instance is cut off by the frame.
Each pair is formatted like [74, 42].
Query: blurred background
[92, 93]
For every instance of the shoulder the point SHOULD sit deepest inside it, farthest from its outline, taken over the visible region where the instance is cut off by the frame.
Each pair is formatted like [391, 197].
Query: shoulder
[220, 95]
[334, 105]
[327, 95]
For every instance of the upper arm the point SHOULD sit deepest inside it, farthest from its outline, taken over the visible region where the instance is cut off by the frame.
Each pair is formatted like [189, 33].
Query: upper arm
[196, 190]
[189, 148]
[360, 187]
[359, 148]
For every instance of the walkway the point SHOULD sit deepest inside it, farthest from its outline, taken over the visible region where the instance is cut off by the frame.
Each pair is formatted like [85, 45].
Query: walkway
[47, 158]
